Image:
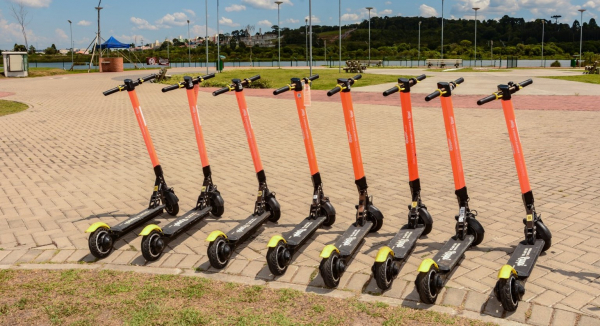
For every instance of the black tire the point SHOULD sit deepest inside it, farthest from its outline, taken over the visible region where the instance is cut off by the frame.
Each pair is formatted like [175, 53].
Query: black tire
[375, 215]
[217, 258]
[152, 246]
[100, 245]
[425, 219]
[275, 209]
[384, 273]
[328, 210]
[171, 203]
[426, 286]
[542, 232]
[329, 270]
[509, 296]
[475, 229]
[217, 203]
[276, 263]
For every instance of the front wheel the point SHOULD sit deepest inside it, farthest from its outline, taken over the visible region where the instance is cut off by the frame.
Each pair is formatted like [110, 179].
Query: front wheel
[219, 252]
[425, 219]
[331, 270]
[510, 292]
[475, 229]
[375, 216]
[275, 209]
[217, 204]
[171, 202]
[385, 273]
[542, 232]
[100, 243]
[429, 285]
[328, 210]
[278, 258]
[152, 245]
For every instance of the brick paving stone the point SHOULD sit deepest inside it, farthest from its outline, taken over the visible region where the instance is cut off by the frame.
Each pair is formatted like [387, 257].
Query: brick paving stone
[540, 315]
[253, 268]
[588, 321]
[577, 300]
[564, 318]
[289, 274]
[190, 261]
[454, 297]
[303, 275]
[173, 260]
[29, 256]
[357, 282]
[62, 256]
[548, 298]
[475, 301]
[519, 315]
[45, 256]
[236, 266]
[125, 257]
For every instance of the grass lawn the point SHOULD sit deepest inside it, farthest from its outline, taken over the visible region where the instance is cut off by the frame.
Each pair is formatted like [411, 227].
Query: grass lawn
[275, 78]
[84, 297]
[451, 69]
[10, 107]
[43, 72]
[591, 79]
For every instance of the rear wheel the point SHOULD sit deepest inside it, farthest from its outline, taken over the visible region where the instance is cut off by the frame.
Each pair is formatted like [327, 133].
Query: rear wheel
[100, 243]
[542, 232]
[475, 229]
[171, 202]
[428, 285]
[385, 273]
[510, 292]
[278, 258]
[375, 215]
[217, 203]
[328, 210]
[274, 208]
[331, 270]
[152, 246]
[219, 252]
[425, 219]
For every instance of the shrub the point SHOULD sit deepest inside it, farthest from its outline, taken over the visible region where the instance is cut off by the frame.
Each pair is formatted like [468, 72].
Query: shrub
[555, 64]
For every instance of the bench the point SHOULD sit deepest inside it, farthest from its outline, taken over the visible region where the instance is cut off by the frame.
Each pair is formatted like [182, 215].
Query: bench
[443, 62]
[354, 66]
[368, 63]
[592, 70]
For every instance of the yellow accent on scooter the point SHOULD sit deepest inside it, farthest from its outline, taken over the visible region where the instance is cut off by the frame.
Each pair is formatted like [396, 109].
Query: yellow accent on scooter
[426, 265]
[328, 250]
[149, 228]
[214, 234]
[383, 254]
[96, 226]
[275, 240]
[505, 272]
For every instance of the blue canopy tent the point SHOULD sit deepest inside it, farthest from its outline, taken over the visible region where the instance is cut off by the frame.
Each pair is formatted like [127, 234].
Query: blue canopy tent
[113, 43]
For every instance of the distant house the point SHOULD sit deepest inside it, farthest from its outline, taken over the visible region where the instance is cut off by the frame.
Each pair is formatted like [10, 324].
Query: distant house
[266, 40]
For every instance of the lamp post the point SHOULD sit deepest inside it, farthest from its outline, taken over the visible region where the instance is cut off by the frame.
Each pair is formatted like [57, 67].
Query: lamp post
[71, 28]
[442, 29]
[369, 9]
[99, 39]
[581, 37]
[279, 32]
[476, 8]
[310, 41]
[189, 45]
[340, 39]
[306, 33]
[206, 36]
[543, 30]
[419, 47]
[218, 41]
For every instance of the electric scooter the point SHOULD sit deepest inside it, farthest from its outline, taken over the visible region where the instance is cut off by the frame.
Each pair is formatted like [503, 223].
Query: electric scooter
[510, 287]
[221, 245]
[322, 212]
[368, 217]
[433, 273]
[390, 258]
[102, 237]
[155, 238]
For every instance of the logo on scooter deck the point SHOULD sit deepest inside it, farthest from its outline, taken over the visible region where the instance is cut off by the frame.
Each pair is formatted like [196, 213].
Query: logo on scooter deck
[351, 238]
[243, 228]
[134, 218]
[404, 240]
[522, 261]
[302, 230]
[448, 254]
[189, 217]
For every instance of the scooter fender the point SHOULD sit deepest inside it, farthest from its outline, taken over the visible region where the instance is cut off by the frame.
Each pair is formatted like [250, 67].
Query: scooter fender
[383, 254]
[214, 235]
[275, 240]
[149, 228]
[426, 265]
[328, 250]
[96, 226]
[505, 272]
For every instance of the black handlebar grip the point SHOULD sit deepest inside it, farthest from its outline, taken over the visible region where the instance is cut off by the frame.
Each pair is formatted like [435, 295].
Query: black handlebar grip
[171, 88]
[254, 78]
[487, 99]
[526, 83]
[336, 90]
[391, 91]
[221, 91]
[313, 77]
[112, 91]
[147, 78]
[422, 77]
[281, 90]
[459, 81]
[357, 77]
[209, 76]
[432, 95]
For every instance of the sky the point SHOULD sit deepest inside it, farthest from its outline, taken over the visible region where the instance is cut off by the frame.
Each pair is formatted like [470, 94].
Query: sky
[151, 20]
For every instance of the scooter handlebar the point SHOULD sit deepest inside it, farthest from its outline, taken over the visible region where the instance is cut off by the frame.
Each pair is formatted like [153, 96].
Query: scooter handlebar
[487, 99]
[114, 90]
[147, 78]
[253, 78]
[357, 77]
[391, 91]
[205, 77]
[459, 81]
[334, 91]
[282, 90]
[526, 83]
[313, 77]
[420, 78]
[221, 91]
[172, 87]
[433, 95]
[513, 89]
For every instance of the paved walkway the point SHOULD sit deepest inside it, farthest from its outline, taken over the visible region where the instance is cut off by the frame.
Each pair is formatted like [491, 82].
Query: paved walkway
[77, 157]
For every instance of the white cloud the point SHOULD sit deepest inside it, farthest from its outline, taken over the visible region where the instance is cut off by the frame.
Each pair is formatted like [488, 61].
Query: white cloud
[235, 8]
[427, 11]
[265, 23]
[315, 19]
[351, 17]
[200, 31]
[177, 19]
[386, 12]
[34, 3]
[61, 34]
[265, 4]
[84, 23]
[142, 24]
[190, 11]
[292, 21]
[228, 22]
[361, 14]
[388, 2]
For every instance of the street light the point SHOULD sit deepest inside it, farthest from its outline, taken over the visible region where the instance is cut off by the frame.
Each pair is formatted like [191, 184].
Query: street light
[581, 36]
[206, 36]
[543, 30]
[340, 39]
[279, 32]
[71, 28]
[310, 62]
[476, 8]
[419, 62]
[189, 45]
[442, 29]
[369, 9]
[306, 33]
[218, 41]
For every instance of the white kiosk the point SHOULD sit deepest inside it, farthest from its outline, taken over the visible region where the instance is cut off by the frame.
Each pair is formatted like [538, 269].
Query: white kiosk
[15, 64]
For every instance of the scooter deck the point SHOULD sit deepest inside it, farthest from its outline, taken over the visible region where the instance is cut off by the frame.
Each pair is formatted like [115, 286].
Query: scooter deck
[452, 252]
[524, 257]
[297, 236]
[137, 219]
[404, 241]
[247, 227]
[184, 222]
[352, 238]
